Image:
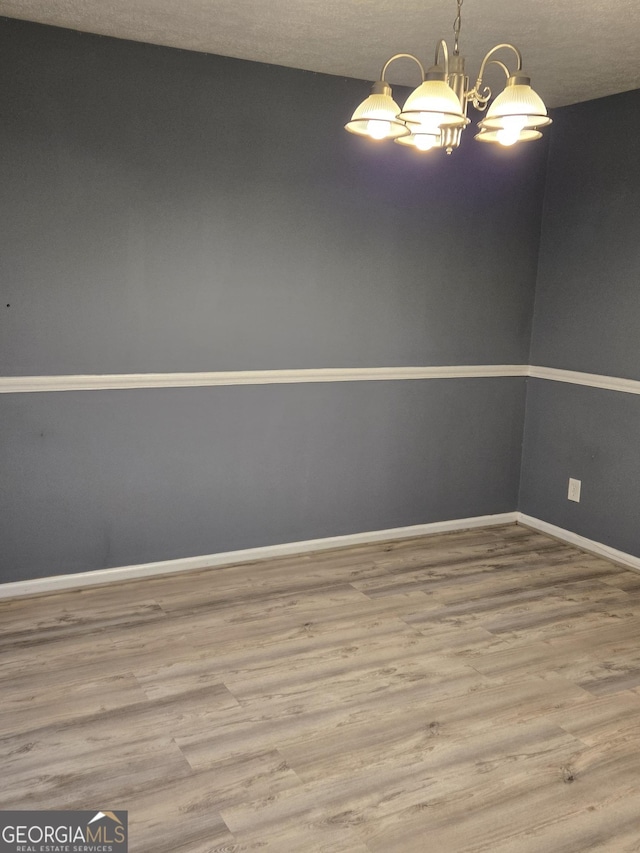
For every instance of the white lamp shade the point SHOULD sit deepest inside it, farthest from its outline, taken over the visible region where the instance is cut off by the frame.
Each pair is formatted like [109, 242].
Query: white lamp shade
[377, 117]
[433, 104]
[519, 101]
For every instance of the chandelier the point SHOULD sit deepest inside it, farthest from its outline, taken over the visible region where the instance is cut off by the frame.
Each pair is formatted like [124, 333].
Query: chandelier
[435, 114]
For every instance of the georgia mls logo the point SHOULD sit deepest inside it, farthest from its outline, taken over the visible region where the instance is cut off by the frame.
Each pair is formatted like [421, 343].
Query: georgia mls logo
[111, 815]
[63, 832]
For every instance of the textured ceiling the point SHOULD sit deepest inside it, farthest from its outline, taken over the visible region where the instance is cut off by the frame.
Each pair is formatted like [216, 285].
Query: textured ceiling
[574, 50]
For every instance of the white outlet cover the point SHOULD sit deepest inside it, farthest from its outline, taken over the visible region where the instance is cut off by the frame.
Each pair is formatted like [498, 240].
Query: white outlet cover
[574, 490]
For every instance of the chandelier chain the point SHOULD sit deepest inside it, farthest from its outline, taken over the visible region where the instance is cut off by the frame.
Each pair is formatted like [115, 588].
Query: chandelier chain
[456, 29]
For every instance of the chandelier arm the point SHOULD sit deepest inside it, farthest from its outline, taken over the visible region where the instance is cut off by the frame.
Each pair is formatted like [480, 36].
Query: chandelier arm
[481, 97]
[487, 59]
[442, 45]
[402, 56]
[500, 64]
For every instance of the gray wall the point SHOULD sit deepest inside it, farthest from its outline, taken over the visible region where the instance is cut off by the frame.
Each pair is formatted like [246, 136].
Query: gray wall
[166, 211]
[587, 314]
[111, 478]
[587, 295]
[591, 435]
[171, 211]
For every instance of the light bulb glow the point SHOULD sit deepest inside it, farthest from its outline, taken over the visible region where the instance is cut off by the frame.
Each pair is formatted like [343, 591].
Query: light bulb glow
[378, 129]
[428, 123]
[510, 132]
[431, 122]
[424, 141]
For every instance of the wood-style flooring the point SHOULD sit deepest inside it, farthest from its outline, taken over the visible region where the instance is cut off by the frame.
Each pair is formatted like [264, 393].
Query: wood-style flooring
[474, 691]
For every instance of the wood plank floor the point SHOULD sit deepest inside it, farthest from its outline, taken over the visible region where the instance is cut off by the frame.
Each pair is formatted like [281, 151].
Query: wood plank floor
[474, 691]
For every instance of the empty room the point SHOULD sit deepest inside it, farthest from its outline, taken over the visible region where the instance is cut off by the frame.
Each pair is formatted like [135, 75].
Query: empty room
[319, 426]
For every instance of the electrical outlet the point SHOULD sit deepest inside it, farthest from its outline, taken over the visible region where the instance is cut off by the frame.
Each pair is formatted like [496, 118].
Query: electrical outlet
[574, 490]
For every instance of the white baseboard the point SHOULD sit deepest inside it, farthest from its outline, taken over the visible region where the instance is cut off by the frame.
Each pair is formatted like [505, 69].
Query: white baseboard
[39, 586]
[590, 545]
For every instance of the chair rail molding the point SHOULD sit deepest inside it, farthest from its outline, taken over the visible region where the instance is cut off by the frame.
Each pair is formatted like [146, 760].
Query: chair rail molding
[124, 381]
[24, 384]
